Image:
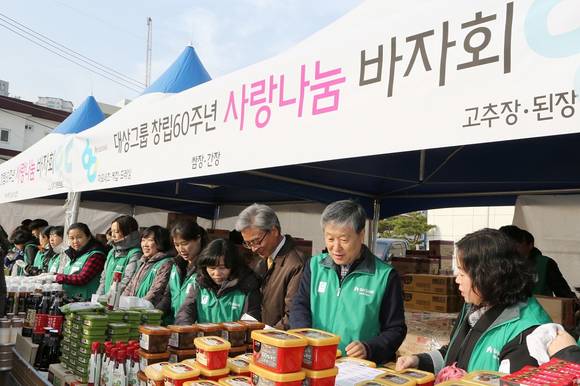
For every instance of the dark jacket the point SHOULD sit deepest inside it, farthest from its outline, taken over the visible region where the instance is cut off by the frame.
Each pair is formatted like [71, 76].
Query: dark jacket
[280, 283]
[570, 354]
[555, 281]
[380, 349]
[247, 282]
[157, 290]
[3, 292]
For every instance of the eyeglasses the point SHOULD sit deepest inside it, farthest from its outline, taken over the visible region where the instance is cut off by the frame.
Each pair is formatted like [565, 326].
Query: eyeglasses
[255, 243]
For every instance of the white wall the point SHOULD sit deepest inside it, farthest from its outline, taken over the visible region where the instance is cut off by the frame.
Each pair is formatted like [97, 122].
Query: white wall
[454, 223]
[19, 137]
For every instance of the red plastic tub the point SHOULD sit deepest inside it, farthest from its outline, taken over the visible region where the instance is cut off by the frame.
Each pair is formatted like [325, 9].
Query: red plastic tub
[278, 351]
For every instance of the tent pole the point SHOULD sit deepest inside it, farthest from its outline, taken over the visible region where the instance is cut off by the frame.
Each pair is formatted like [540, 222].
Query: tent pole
[374, 226]
[216, 216]
[71, 209]
[422, 166]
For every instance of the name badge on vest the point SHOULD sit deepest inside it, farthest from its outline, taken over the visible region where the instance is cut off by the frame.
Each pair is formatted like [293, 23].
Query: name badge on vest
[322, 286]
[235, 306]
[204, 299]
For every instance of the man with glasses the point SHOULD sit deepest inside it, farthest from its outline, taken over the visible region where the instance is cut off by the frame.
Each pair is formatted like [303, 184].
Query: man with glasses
[283, 262]
[351, 292]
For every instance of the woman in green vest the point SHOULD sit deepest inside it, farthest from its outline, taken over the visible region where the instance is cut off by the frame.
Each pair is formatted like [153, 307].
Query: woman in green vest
[25, 248]
[44, 254]
[224, 288]
[60, 259]
[125, 254]
[150, 280]
[499, 311]
[80, 277]
[189, 239]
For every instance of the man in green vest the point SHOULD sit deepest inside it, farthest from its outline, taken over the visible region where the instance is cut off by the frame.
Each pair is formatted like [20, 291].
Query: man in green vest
[349, 291]
[549, 279]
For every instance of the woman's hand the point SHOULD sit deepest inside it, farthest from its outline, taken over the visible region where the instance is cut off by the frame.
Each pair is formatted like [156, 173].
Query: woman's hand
[356, 349]
[409, 361]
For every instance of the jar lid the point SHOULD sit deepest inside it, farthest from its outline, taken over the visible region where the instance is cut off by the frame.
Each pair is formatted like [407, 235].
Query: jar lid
[237, 380]
[211, 343]
[272, 376]
[317, 337]
[146, 355]
[154, 330]
[180, 371]
[321, 373]
[233, 326]
[155, 372]
[279, 338]
[180, 329]
[208, 327]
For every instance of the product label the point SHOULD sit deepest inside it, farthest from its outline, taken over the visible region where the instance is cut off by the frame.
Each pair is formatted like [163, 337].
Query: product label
[490, 379]
[181, 368]
[238, 381]
[394, 379]
[40, 321]
[144, 342]
[259, 381]
[268, 356]
[55, 322]
[174, 339]
[201, 357]
[212, 341]
[307, 359]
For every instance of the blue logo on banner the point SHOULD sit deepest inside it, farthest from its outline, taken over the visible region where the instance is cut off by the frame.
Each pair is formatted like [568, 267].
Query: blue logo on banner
[551, 46]
[89, 162]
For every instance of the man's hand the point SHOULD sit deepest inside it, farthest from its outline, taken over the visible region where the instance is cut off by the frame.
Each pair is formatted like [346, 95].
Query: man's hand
[356, 349]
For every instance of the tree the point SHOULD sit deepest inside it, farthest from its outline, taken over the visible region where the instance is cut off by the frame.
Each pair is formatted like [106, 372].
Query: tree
[411, 226]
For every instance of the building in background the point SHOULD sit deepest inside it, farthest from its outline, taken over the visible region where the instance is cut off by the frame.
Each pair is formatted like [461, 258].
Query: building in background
[55, 103]
[454, 223]
[4, 86]
[23, 123]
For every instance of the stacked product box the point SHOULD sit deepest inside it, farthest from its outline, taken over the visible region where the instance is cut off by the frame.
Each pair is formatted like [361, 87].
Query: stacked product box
[211, 357]
[319, 356]
[277, 358]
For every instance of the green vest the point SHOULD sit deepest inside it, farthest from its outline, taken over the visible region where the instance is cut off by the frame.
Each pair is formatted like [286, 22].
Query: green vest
[541, 286]
[39, 260]
[117, 264]
[226, 308]
[179, 290]
[147, 282]
[74, 267]
[485, 355]
[54, 263]
[351, 309]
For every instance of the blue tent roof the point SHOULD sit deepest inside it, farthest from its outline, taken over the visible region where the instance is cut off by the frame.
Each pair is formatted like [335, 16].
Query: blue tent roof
[186, 72]
[84, 117]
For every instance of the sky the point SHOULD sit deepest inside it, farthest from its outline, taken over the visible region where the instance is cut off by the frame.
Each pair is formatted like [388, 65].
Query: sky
[227, 34]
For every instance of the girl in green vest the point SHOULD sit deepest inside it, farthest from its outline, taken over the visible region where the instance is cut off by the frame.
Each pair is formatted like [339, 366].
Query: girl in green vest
[499, 311]
[80, 277]
[125, 254]
[224, 288]
[60, 259]
[44, 254]
[150, 280]
[25, 248]
[188, 239]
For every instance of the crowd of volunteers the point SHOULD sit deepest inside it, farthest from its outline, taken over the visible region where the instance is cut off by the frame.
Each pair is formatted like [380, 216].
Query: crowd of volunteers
[345, 290]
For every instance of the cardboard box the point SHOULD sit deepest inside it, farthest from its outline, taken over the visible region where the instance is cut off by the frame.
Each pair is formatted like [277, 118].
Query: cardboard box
[441, 248]
[26, 349]
[305, 246]
[432, 302]
[410, 264]
[433, 284]
[561, 310]
[426, 331]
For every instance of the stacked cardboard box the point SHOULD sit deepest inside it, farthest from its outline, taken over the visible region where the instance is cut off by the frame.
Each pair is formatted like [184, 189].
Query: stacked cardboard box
[415, 264]
[561, 310]
[424, 292]
[443, 250]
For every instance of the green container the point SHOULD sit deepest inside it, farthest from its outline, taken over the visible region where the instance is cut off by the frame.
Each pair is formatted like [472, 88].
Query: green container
[115, 316]
[119, 338]
[84, 350]
[132, 316]
[75, 335]
[98, 321]
[94, 331]
[88, 341]
[118, 329]
[83, 360]
[151, 315]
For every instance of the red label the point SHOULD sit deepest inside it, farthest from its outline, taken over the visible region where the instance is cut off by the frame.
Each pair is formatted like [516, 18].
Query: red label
[55, 322]
[40, 322]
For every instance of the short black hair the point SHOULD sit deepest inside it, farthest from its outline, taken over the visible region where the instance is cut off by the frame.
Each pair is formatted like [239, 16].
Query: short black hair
[190, 230]
[81, 227]
[160, 235]
[57, 230]
[498, 274]
[126, 224]
[37, 223]
[212, 254]
[26, 222]
[22, 236]
[46, 231]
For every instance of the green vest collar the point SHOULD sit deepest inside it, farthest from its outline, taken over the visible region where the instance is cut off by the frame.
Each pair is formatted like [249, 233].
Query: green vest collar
[366, 266]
